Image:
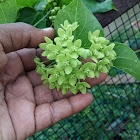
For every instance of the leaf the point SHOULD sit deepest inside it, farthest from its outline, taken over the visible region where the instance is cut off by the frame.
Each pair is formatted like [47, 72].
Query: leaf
[25, 3]
[30, 16]
[77, 11]
[127, 60]
[8, 11]
[99, 7]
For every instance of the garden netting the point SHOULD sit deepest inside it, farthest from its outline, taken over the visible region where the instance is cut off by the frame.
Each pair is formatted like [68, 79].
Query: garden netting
[115, 111]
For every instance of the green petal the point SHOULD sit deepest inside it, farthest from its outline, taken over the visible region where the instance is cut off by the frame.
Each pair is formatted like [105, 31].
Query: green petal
[83, 90]
[64, 91]
[101, 40]
[96, 33]
[61, 32]
[44, 76]
[74, 26]
[86, 84]
[69, 31]
[49, 41]
[73, 89]
[66, 23]
[45, 53]
[51, 47]
[46, 82]
[71, 38]
[43, 46]
[51, 56]
[100, 55]
[90, 37]
[58, 39]
[91, 74]
[52, 78]
[68, 69]
[104, 69]
[81, 51]
[52, 85]
[69, 43]
[72, 81]
[73, 63]
[78, 43]
[61, 79]
[94, 59]
[60, 58]
[74, 55]
[60, 66]
[97, 74]
[59, 46]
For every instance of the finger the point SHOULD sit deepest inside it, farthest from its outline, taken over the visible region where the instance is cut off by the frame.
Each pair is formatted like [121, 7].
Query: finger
[27, 57]
[96, 81]
[3, 61]
[45, 95]
[15, 36]
[48, 114]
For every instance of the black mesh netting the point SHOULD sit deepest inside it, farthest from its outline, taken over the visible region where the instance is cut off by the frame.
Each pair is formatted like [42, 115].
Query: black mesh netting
[114, 113]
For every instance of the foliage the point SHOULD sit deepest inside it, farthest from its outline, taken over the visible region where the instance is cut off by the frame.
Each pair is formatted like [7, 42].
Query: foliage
[96, 6]
[13, 10]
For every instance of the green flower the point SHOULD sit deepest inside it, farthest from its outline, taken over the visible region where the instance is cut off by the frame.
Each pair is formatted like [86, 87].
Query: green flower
[87, 70]
[109, 52]
[93, 36]
[56, 75]
[96, 53]
[72, 77]
[66, 62]
[53, 51]
[67, 24]
[64, 36]
[65, 87]
[82, 87]
[74, 48]
[102, 66]
[86, 54]
[44, 46]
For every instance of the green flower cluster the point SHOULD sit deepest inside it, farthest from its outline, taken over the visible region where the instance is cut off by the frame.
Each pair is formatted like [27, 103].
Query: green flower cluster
[55, 8]
[68, 69]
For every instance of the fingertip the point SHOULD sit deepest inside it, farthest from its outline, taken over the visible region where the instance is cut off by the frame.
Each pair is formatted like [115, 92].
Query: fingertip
[49, 32]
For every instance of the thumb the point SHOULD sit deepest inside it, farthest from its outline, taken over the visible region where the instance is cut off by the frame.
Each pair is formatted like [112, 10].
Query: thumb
[16, 36]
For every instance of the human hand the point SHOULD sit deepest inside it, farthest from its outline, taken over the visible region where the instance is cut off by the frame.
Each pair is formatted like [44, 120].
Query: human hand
[27, 106]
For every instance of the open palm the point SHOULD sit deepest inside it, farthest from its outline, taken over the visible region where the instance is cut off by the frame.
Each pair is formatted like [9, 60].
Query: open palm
[27, 106]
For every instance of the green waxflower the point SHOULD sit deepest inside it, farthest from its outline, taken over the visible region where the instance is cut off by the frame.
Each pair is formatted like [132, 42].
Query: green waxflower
[53, 51]
[67, 24]
[56, 75]
[93, 36]
[74, 48]
[96, 53]
[64, 36]
[66, 62]
[86, 54]
[109, 52]
[45, 45]
[87, 70]
[102, 66]
[82, 87]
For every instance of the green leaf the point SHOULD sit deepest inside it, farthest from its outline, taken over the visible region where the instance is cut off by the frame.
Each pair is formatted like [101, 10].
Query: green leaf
[77, 11]
[8, 11]
[25, 3]
[68, 69]
[127, 60]
[52, 78]
[99, 7]
[31, 16]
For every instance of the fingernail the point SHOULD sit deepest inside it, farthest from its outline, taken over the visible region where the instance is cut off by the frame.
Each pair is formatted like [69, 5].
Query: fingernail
[48, 29]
